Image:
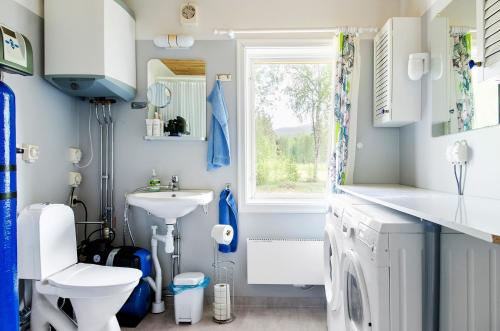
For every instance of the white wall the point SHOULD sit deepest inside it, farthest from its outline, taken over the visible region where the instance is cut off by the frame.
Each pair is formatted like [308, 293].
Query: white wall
[36, 6]
[378, 160]
[45, 117]
[423, 161]
[415, 7]
[155, 17]
[135, 158]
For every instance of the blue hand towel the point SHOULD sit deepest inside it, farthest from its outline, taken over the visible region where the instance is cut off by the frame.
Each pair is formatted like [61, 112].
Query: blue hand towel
[218, 139]
[228, 214]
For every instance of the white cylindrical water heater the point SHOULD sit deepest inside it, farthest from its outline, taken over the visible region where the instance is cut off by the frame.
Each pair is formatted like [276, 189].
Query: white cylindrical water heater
[90, 48]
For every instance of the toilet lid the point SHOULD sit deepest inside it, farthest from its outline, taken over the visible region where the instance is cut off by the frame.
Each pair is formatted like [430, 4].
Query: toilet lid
[83, 275]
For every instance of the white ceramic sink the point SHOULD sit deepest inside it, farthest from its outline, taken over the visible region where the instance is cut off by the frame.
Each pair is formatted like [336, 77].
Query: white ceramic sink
[170, 205]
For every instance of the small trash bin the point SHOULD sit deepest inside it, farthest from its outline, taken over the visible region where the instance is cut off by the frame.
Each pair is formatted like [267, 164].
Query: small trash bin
[188, 291]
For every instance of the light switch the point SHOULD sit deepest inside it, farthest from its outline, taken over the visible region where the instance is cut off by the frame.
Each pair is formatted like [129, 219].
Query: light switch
[31, 153]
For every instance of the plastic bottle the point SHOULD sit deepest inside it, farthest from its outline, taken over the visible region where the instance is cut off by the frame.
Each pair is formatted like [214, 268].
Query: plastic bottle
[154, 182]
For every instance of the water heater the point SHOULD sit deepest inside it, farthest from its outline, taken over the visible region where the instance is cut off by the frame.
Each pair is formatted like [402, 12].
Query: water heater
[90, 48]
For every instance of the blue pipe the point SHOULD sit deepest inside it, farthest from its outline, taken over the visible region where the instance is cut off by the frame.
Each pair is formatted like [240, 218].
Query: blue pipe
[9, 297]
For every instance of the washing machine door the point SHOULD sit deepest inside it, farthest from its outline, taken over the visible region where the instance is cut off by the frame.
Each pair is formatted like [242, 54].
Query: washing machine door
[356, 304]
[332, 272]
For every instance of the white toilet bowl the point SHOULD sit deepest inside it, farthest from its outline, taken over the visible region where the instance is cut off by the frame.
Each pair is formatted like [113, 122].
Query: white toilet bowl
[47, 255]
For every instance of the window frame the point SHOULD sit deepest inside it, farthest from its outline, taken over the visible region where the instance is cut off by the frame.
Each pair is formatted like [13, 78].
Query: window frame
[246, 126]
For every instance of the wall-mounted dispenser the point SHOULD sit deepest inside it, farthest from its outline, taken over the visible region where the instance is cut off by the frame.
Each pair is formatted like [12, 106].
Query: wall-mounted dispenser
[16, 55]
[418, 65]
[90, 48]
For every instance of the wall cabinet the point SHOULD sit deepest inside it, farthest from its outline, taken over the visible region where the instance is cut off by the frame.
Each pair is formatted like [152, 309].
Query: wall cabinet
[488, 37]
[396, 98]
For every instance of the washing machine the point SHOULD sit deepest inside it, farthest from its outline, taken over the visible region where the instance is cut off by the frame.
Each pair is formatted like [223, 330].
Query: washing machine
[381, 269]
[333, 251]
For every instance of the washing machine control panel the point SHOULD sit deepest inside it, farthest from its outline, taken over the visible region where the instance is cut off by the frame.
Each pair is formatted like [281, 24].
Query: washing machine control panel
[348, 224]
[335, 215]
[351, 219]
[368, 237]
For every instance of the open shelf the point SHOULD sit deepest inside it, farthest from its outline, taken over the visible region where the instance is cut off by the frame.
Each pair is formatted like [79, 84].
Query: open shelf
[170, 138]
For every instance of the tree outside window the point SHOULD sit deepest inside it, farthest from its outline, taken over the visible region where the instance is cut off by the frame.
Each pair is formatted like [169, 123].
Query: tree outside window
[293, 102]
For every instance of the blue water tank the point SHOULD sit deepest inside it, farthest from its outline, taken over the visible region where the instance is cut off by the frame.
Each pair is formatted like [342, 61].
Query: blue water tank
[9, 309]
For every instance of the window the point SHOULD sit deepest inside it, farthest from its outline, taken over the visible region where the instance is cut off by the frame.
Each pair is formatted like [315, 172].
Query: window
[285, 119]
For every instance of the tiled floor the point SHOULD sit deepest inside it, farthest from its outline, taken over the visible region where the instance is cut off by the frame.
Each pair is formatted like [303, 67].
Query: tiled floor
[247, 319]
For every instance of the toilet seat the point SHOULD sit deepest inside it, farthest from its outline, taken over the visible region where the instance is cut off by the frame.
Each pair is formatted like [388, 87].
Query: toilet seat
[83, 280]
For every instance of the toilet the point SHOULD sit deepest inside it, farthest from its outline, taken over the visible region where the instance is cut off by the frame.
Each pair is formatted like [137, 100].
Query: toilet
[46, 246]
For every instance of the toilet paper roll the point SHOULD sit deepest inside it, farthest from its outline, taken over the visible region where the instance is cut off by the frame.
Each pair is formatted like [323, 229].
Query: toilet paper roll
[222, 317]
[221, 313]
[222, 290]
[222, 301]
[222, 234]
[219, 307]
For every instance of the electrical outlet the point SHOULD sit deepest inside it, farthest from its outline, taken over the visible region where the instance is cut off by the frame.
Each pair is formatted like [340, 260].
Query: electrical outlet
[75, 155]
[75, 179]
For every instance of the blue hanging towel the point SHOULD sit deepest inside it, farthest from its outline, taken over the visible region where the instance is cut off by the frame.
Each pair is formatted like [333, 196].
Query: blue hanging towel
[228, 214]
[218, 138]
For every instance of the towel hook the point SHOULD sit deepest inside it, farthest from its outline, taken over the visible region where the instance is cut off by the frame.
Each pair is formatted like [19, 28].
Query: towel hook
[224, 77]
[228, 186]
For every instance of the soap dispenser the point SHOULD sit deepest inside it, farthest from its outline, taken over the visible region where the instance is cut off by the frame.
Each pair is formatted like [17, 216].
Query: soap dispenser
[154, 182]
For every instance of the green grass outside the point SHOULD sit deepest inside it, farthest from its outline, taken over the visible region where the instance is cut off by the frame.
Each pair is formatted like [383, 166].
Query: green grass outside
[304, 184]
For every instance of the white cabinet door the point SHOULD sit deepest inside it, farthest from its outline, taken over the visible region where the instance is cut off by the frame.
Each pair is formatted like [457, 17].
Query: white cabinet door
[488, 36]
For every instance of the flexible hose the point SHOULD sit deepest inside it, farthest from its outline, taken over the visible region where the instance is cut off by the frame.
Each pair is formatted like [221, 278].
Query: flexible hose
[90, 142]
[76, 201]
[126, 225]
[456, 178]
[465, 178]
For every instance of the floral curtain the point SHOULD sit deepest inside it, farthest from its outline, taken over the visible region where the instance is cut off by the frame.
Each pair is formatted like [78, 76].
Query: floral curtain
[345, 111]
[464, 102]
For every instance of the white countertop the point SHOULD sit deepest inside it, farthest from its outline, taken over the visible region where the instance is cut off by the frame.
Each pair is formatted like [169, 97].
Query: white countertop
[477, 217]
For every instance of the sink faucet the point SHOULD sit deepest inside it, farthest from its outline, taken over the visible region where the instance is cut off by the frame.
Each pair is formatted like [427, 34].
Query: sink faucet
[174, 183]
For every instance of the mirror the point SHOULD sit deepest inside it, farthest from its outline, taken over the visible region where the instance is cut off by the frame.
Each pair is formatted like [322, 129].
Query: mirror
[177, 93]
[159, 95]
[461, 100]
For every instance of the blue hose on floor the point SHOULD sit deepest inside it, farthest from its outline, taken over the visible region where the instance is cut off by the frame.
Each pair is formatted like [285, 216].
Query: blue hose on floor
[9, 307]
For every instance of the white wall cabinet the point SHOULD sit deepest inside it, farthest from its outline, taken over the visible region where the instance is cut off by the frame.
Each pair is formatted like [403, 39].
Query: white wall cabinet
[488, 37]
[396, 98]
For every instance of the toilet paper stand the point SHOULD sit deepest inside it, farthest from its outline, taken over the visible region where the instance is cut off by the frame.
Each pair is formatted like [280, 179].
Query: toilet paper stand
[223, 272]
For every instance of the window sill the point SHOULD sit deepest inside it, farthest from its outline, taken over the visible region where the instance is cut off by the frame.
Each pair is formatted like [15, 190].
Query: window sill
[284, 206]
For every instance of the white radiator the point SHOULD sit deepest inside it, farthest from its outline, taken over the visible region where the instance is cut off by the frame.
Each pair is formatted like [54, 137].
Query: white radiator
[285, 261]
